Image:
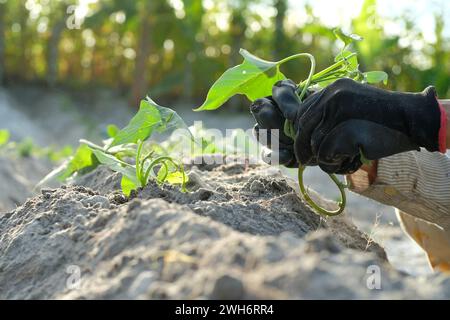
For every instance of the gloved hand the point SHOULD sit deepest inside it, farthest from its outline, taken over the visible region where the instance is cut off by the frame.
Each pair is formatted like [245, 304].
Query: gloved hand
[347, 118]
[269, 117]
[334, 126]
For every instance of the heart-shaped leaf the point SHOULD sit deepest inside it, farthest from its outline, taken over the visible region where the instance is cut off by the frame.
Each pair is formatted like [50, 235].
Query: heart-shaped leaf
[347, 39]
[254, 78]
[170, 120]
[172, 177]
[140, 126]
[376, 77]
[150, 117]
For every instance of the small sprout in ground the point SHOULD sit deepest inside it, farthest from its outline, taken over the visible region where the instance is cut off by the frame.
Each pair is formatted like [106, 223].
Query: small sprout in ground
[26, 148]
[128, 153]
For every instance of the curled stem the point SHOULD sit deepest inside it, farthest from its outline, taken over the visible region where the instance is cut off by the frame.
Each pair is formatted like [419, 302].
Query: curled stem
[162, 160]
[311, 70]
[330, 72]
[314, 205]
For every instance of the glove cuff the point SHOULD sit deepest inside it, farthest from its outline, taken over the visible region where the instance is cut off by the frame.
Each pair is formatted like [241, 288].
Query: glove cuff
[442, 136]
[427, 121]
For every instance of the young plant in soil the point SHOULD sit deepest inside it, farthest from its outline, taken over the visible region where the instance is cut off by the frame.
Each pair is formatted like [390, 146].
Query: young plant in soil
[26, 148]
[255, 78]
[127, 152]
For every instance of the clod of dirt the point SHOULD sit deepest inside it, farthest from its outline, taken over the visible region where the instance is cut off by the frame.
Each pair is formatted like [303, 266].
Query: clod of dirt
[239, 233]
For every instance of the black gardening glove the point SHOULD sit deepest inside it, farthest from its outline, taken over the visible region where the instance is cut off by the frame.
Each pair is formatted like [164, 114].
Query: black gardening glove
[268, 116]
[335, 126]
[346, 119]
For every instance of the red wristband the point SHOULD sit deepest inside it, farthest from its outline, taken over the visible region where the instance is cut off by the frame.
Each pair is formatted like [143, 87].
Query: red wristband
[443, 129]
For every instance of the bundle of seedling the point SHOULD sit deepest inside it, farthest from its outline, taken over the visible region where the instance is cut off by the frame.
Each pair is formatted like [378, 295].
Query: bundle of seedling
[126, 150]
[255, 78]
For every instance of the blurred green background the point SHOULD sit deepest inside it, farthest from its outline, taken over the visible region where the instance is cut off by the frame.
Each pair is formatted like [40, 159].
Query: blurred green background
[175, 49]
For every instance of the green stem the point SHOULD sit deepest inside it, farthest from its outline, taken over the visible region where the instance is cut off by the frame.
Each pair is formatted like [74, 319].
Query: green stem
[158, 160]
[147, 173]
[138, 163]
[142, 166]
[328, 78]
[314, 205]
[163, 160]
[329, 69]
[95, 147]
[311, 71]
[326, 73]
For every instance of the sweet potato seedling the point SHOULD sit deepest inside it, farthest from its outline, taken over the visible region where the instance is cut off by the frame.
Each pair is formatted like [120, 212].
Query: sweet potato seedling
[127, 152]
[27, 148]
[255, 78]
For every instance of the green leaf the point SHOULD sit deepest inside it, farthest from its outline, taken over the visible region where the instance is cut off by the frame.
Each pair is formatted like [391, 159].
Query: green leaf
[170, 120]
[4, 137]
[117, 165]
[140, 126]
[347, 39]
[82, 161]
[254, 78]
[149, 118]
[174, 176]
[127, 185]
[376, 77]
[112, 130]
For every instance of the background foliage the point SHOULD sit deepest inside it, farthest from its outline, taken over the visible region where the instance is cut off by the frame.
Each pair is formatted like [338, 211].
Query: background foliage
[177, 48]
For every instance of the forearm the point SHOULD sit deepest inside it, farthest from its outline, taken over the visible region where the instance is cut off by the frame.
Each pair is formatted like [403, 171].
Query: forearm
[414, 182]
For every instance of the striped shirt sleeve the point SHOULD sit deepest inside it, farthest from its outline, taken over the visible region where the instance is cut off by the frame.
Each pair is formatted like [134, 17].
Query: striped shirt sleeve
[417, 183]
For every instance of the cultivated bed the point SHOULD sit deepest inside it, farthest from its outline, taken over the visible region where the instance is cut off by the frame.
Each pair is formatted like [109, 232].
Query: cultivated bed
[241, 232]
